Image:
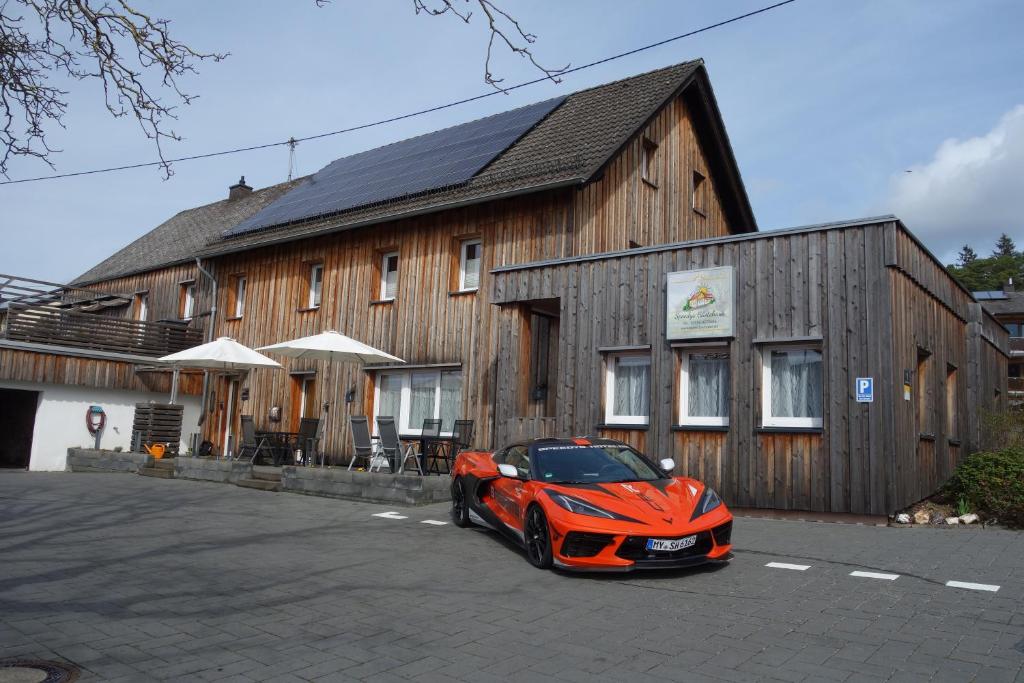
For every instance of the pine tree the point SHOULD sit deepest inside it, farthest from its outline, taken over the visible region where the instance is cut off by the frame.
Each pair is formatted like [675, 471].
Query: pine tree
[967, 255]
[1005, 246]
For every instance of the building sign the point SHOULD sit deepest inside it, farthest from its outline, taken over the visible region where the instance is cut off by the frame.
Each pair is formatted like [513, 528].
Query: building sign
[865, 389]
[700, 303]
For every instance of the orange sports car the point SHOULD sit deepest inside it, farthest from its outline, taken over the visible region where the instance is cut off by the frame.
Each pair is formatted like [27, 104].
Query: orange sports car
[591, 504]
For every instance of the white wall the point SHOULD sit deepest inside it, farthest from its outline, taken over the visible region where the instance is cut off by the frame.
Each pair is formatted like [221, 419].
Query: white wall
[60, 419]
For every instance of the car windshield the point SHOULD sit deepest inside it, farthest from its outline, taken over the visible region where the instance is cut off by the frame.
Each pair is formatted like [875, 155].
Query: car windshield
[586, 464]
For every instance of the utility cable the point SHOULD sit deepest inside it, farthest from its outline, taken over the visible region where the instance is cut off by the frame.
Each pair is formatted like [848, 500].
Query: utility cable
[402, 117]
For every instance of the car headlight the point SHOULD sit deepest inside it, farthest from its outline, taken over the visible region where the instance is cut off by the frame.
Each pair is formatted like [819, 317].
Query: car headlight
[578, 506]
[709, 500]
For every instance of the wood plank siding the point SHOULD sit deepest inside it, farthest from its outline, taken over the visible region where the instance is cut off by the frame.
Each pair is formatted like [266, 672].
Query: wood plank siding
[624, 207]
[866, 294]
[163, 289]
[428, 322]
[54, 368]
[71, 367]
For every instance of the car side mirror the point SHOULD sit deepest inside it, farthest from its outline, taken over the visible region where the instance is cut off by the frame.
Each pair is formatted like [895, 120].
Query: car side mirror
[509, 471]
[667, 464]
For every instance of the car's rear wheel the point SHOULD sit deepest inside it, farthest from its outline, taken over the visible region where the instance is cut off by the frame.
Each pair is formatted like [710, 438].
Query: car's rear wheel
[537, 538]
[460, 510]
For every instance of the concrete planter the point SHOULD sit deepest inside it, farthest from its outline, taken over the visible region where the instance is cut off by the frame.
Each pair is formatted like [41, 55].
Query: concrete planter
[376, 487]
[209, 469]
[92, 460]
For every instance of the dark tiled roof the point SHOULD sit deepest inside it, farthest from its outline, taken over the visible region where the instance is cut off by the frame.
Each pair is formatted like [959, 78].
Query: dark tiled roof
[569, 146]
[180, 238]
[1012, 304]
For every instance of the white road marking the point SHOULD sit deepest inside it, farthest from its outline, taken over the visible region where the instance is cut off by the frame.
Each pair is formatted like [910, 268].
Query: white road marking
[876, 575]
[389, 515]
[973, 586]
[783, 565]
[435, 522]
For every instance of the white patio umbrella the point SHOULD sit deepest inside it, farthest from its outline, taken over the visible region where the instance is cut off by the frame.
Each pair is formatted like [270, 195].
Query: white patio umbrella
[224, 354]
[330, 346]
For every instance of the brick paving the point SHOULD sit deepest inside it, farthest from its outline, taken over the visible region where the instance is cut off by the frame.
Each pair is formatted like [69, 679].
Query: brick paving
[136, 579]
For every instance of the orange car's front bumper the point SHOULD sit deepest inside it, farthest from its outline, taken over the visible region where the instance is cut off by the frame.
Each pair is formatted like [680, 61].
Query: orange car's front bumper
[581, 544]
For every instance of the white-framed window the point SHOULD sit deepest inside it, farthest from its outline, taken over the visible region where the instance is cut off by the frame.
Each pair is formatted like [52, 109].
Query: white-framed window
[142, 306]
[389, 276]
[627, 398]
[240, 284]
[470, 258]
[792, 387]
[704, 388]
[316, 285]
[413, 396]
[188, 300]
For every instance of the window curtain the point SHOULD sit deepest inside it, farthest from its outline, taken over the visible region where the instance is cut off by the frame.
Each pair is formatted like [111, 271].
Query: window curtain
[796, 383]
[632, 386]
[708, 391]
[390, 404]
[451, 399]
[421, 400]
[471, 273]
[390, 282]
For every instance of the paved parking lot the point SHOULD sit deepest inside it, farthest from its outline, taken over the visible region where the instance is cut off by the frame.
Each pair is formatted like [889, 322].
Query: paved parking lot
[140, 579]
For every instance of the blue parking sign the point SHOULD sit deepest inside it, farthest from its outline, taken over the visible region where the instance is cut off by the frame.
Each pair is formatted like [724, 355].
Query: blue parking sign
[865, 389]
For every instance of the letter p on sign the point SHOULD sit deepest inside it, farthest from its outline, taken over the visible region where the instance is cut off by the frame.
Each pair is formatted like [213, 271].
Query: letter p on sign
[865, 389]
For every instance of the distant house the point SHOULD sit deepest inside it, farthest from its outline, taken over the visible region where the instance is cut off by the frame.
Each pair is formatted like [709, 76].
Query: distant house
[1007, 305]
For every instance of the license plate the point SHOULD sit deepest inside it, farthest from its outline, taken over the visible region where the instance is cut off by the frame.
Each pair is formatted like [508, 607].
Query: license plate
[671, 544]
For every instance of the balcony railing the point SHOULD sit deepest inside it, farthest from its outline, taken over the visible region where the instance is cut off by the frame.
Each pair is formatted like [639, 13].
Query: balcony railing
[1016, 344]
[62, 327]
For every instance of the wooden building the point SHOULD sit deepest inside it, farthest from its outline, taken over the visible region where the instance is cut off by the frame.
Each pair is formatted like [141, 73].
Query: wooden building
[521, 295]
[1007, 306]
[814, 309]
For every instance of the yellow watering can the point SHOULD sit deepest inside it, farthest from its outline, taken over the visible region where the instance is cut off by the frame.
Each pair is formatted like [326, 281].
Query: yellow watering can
[157, 450]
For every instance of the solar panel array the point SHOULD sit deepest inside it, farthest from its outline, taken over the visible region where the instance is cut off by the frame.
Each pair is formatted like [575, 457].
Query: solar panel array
[996, 295]
[441, 159]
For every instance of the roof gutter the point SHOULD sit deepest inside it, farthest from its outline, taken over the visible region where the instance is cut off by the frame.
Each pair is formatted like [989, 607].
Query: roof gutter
[530, 189]
[209, 338]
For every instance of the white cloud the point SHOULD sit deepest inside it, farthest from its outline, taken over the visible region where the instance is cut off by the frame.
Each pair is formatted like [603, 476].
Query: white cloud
[969, 193]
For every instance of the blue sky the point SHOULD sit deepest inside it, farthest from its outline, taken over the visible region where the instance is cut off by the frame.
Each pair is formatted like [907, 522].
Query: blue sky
[827, 103]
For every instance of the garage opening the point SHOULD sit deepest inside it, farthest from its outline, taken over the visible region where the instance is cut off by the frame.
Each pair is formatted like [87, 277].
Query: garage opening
[17, 420]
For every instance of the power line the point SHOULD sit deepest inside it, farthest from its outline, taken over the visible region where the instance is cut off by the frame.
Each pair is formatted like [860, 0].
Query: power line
[293, 141]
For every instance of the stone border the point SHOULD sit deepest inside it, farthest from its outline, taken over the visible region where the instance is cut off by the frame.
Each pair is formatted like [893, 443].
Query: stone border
[374, 487]
[92, 460]
[211, 469]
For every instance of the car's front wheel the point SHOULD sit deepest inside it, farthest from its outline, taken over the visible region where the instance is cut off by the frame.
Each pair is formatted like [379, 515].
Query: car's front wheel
[537, 538]
[460, 510]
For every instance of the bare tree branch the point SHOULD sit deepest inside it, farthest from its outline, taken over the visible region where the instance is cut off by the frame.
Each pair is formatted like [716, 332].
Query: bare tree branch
[131, 53]
[504, 29]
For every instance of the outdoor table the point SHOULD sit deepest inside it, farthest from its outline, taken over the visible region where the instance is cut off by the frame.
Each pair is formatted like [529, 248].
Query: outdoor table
[432, 445]
[281, 443]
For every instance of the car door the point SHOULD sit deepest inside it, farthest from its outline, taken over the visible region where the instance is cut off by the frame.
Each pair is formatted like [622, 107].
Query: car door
[508, 492]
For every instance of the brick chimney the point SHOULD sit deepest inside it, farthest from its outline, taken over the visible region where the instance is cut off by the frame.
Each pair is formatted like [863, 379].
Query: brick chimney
[239, 190]
[1008, 287]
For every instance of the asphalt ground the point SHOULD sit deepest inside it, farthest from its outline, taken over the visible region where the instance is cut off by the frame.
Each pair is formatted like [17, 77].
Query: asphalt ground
[136, 579]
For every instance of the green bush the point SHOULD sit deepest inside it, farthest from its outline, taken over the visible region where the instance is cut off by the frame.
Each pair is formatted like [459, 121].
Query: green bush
[992, 484]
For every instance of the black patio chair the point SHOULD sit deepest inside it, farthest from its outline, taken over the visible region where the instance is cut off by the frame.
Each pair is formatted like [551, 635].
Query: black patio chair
[462, 437]
[308, 439]
[251, 444]
[430, 444]
[361, 440]
[391, 445]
